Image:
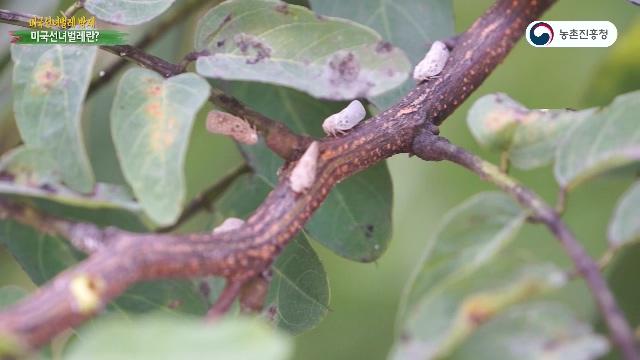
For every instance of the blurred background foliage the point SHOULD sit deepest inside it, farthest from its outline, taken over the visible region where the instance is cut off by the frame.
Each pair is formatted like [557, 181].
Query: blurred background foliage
[364, 297]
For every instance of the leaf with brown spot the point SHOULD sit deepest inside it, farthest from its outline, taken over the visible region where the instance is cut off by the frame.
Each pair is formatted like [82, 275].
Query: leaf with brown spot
[529, 136]
[533, 331]
[330, 58]
[49, 84]
[442, 318]
[151, 122]
[465, 277]
[411, 25]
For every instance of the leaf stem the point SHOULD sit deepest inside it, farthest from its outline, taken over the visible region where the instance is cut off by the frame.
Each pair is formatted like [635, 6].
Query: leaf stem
[432, 147]
[151, 36]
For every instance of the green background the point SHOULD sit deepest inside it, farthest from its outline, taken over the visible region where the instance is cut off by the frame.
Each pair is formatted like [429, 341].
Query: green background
[364, 297]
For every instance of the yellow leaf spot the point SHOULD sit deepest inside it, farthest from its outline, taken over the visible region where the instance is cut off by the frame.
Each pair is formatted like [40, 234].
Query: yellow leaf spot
[86, 292]
[498, 120]
[47, 76]
[163, 135]
[479, 309]
[154, 109]
[155, 89]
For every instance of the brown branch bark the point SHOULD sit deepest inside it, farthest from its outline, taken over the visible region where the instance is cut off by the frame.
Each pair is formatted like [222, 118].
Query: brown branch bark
[243, 254]
[432, 147]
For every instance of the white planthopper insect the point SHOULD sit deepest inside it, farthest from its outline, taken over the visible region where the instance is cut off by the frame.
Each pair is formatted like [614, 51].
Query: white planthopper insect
[228, 224]
[219, 122]
[345, 119]
[304, 173]
[433, 62]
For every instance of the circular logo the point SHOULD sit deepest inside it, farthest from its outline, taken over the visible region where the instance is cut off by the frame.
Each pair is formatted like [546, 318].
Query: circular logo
[541, 34]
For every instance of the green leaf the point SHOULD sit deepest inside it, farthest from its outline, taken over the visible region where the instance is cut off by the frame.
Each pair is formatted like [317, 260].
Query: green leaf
[409, 24]
[469, 236]
[534, 331]
[11, 294]
[447, 283]
[173, 296]
[161, 337]
[604, 141]
[625, 224]
[49, 86]
[127, 12]
[530, 137]
[298, 296]
[32, 172]
[355, 219]
[41, 256]
[151, 122]
[273, 42]
[452, 310]
[9, 135]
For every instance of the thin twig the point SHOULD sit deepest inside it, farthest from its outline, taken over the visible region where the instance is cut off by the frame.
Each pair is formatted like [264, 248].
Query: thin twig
[153, 34]
[432, 147]
[207, 197]
[225, 300]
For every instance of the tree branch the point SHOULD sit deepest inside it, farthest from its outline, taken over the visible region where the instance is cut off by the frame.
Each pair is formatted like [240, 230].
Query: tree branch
[149, 38]
[246, 252]
[432, 147]
[278, 137]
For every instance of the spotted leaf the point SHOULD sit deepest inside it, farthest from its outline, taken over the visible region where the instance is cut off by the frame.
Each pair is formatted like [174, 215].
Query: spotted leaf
[49, 84]
[151, 121]
[274, 42]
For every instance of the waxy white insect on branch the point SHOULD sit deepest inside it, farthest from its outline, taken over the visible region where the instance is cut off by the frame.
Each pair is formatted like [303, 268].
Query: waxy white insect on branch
[345, 119]
[433, 62]
[219, 122]
[304, 173]
[228, 224]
